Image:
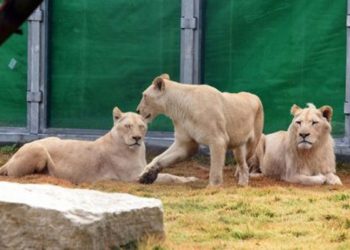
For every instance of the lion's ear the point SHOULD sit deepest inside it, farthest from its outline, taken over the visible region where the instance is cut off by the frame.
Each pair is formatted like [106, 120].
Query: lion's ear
[165, 76]
[327, 112]
[159, 83]
[117, 114]
[295, 109]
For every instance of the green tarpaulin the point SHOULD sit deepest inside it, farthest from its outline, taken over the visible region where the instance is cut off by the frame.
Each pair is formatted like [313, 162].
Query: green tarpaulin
[106, 53]
[13, 80]
[103, 54]
[290, 51]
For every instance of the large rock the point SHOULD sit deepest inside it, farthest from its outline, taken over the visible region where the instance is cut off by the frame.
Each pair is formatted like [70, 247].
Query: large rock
[36, 216]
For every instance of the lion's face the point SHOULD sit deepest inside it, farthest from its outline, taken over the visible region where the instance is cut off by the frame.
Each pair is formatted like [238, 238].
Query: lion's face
[130, 127]
[310, 125]
[152, 103]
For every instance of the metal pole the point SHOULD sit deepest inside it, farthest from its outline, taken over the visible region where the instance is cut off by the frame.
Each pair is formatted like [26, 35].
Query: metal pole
[34, 95]
[347, 89]
[191, 40]
[44, 33]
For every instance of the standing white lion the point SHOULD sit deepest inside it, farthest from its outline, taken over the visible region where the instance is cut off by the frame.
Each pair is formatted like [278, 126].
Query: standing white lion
[304, 154]
[203, 115]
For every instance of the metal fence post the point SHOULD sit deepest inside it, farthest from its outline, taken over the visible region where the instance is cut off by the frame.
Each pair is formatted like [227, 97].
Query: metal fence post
[347, 89]
[37, 90]
[34, 96]
[191, 40]
[43, 84]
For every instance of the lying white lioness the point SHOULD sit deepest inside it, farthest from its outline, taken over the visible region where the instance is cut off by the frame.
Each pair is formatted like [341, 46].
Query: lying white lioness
[203, 115]
[118, 155]
[304, 154]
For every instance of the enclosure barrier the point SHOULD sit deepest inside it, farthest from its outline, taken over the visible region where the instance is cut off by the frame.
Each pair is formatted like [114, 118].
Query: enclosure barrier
[196, 23]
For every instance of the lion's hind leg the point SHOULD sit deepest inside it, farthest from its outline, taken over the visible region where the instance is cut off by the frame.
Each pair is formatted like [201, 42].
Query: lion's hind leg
[240, 154]
[29, 159]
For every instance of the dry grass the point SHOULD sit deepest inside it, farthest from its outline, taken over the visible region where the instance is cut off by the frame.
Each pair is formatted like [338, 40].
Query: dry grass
[268, 214]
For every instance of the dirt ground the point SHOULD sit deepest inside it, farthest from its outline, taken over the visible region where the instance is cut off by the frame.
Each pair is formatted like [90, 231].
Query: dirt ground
[197, 166]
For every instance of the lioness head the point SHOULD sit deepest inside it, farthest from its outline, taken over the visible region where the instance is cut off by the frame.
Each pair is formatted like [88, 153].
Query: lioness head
[152, 102]
[310, 126]
[130, 127]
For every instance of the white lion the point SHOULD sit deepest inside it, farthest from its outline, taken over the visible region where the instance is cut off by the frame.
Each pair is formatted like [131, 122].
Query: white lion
[118, 155]
[203, 115]
[304, 154]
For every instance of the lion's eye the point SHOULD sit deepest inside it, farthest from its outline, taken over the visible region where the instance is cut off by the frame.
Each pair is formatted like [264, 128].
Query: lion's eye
[298, 122]
[314, 123]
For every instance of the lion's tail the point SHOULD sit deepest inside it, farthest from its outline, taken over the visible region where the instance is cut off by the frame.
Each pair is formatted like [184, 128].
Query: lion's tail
[258, 129]
[257, 142]
[254, 162]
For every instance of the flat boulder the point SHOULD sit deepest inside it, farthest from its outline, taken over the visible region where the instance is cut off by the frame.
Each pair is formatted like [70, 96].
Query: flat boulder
[40, 216]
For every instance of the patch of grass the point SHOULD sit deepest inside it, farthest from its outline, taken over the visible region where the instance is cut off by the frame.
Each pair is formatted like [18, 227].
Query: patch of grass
[340, 237]
[295, 233]
[277, 199]
[300, 211]
[158, 248]
[311, 219]
[347, 224]
[230, 160]
[242, 235]
[8, 149]
[346, 206]
[188, 206]
[298, 234]
[202, 159]
[344, 246]
[340, 197]
[311, 200]
[330, 217]
[343, 167]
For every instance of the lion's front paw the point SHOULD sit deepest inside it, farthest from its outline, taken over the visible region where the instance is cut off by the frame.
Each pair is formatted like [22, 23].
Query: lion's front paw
[149, 176]
[320, 179]
[191, 179]
[333, 179]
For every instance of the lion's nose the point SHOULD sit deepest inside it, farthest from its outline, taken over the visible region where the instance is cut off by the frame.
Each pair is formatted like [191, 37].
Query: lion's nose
[304, 135]
[136, 138]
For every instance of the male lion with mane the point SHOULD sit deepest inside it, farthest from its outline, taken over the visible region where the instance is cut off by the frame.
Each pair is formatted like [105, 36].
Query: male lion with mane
[203, 115]
[118, 155]
[304, 154]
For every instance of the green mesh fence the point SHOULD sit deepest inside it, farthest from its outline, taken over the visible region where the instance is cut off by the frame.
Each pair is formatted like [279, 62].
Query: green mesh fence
[104, 54]
[13, 80]
[287, 52]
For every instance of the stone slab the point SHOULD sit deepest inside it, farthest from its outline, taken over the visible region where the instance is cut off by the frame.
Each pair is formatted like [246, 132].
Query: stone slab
[40, 216]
